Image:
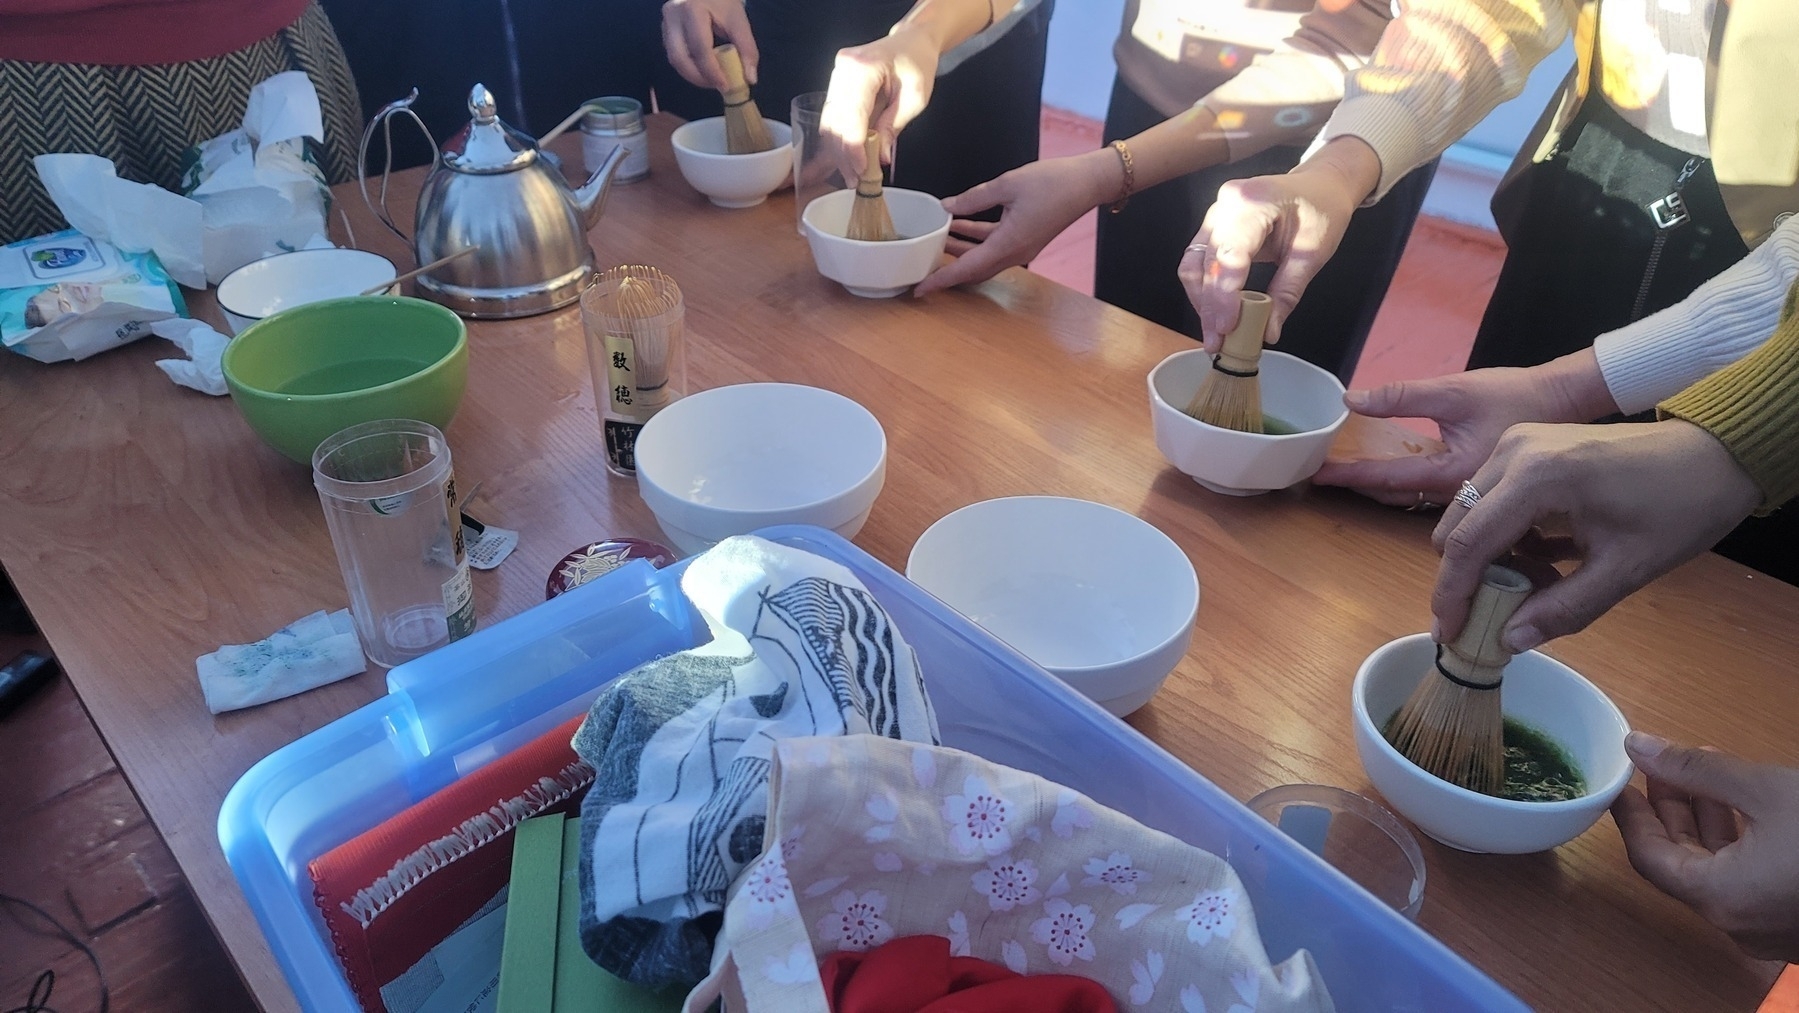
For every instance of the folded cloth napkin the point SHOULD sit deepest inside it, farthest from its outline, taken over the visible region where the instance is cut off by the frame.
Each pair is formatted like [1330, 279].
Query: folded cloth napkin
[303, 655]
[871, 840]
[681, 746]
[917, 974]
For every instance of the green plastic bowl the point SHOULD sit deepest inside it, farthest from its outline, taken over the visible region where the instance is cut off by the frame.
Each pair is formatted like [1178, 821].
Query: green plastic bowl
[305, 373]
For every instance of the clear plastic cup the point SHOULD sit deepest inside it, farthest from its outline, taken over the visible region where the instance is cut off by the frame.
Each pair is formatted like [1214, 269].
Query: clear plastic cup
[814, 172]
[1355, 834]
[389, 495]
[634, 318]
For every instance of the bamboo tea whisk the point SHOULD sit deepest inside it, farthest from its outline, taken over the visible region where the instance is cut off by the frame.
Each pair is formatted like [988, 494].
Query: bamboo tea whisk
[1452, 724]
[869, 217]
[745, 132]
[641, 303]
[1230, 397]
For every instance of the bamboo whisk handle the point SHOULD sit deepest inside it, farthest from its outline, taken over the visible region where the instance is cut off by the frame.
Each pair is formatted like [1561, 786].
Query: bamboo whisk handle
[1477, 655]
[1242, 351]
[870, 183]
[737, 91]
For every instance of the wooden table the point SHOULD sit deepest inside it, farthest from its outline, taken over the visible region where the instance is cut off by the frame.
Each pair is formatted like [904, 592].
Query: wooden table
[146, 525]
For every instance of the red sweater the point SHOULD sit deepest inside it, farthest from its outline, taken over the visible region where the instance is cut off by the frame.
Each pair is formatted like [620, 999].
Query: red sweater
[137, 32]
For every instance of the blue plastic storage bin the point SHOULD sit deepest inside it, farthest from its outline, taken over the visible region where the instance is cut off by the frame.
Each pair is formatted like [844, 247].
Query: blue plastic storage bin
[452, 711]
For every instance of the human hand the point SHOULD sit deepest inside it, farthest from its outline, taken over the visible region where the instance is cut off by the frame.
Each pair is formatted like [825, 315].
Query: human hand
[1295, 220]
[1471, 411]
[690, 28]
[881, 86]
[1715, 832]
[1636, 500]
[1038, 201]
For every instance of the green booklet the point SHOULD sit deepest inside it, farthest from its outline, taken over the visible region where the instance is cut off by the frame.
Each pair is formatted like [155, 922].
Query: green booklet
[543, 968]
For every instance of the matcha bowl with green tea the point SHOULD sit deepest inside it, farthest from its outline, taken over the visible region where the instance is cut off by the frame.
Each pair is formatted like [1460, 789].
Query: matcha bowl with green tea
[308, 372]
[1565, 759]
[1302, 409]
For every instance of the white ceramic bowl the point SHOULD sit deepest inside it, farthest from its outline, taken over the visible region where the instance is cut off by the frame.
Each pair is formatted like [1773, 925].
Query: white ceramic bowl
[1540, 691]
[731, 181]
[1244, 464]
[730, 460]
[1096, 596]
[870, 269]
[265, 287]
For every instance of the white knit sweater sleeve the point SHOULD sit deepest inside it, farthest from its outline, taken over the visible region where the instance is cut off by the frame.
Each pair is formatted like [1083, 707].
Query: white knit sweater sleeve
[1723, 320]
[1441, 66]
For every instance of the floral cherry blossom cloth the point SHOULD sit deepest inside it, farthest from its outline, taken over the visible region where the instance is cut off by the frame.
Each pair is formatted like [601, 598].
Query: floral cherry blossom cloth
[870, 839]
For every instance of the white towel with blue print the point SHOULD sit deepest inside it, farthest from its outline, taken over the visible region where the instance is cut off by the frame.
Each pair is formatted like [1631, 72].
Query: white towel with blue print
[681, 746]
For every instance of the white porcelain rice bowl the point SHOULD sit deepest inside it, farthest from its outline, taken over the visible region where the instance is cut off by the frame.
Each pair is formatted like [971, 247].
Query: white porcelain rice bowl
[265, 287]
[877, 270]
[1096, 596]
[727, 180]
[1538, 690]
[731, 460]
[1237, 463]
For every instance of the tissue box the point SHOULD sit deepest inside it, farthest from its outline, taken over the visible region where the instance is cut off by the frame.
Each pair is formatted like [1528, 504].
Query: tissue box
[68, 296]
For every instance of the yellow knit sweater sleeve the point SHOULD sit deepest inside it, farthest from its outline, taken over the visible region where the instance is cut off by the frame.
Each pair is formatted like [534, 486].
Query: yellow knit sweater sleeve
[1752, 407]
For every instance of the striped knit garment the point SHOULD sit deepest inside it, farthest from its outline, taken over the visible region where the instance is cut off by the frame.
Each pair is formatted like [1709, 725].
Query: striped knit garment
[146, 118]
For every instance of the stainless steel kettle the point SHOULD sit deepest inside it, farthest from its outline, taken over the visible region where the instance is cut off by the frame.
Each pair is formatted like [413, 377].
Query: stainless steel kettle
[492, 189]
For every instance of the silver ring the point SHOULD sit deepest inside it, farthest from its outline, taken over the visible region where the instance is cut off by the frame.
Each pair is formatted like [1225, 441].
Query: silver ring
[1197, 248]
[1467, 496]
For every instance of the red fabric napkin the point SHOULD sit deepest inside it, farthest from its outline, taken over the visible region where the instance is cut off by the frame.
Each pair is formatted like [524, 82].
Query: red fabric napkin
[916, 974]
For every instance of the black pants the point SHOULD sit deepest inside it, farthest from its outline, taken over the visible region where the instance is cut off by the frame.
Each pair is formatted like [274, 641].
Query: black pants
[1141, 246]
[1586, 254]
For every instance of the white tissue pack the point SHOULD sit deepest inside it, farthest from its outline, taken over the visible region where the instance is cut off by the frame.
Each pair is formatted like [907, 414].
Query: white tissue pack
[68, 296]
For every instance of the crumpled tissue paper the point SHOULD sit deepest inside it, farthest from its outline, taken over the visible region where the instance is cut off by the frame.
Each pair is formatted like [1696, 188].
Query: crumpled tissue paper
[204, 368]
[251, 192]
[306, 654]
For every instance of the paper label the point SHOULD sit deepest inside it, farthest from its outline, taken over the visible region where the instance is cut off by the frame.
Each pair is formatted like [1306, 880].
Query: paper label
[621, 374]
[459, 601]
[491, 547]
[621, 444]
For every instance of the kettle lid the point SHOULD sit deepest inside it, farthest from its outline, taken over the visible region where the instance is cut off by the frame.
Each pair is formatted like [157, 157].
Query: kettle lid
[487, 144]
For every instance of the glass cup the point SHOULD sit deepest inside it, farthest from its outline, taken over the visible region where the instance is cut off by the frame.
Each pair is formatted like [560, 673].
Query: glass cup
[1355, 834]
[390, 503]
[637, 352]
[814, 172]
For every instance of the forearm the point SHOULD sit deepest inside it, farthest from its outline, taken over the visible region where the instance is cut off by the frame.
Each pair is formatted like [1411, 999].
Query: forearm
[949, 23]
[1439, 69]
[1752, 407]
[1720, 322]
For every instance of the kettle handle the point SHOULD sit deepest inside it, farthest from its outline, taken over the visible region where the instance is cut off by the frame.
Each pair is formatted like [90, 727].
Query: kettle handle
[384, 120]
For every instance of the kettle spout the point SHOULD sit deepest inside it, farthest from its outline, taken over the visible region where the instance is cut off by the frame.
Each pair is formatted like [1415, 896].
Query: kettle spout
[590, 199]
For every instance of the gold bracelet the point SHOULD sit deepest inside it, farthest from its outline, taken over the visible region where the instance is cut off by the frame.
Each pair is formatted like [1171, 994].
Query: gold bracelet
[1130, 177]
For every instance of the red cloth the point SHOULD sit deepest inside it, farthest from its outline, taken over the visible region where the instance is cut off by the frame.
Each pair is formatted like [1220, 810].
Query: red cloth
[445, 893]
[137, 32]
[916, 974]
